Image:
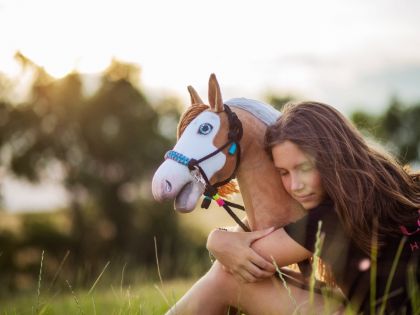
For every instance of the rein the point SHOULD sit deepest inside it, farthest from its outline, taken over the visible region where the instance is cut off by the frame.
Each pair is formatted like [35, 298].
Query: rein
[211, 193]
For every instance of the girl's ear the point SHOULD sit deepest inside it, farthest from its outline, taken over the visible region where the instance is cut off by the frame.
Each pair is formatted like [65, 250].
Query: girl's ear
[195, 98]
[215, 96]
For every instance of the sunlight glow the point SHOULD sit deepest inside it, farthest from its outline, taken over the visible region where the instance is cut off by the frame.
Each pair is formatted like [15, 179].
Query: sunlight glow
[316, 49]
[348, 54]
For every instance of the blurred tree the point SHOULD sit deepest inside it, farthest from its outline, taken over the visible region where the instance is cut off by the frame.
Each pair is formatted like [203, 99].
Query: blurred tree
[398, 128]
[106, 146]
[5, 107]
[278, 101]
[4, 86]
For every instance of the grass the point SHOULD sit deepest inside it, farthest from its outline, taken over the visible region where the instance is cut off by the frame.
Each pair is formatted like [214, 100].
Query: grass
[143, 298]
[119, 288]
[111, 293]
[128, 294]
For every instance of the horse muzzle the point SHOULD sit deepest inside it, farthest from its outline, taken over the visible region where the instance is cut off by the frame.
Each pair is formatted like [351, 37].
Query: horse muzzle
[172, 181]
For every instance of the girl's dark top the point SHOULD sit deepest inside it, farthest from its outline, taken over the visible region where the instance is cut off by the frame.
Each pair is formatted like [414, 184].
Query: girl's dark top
[351, 266]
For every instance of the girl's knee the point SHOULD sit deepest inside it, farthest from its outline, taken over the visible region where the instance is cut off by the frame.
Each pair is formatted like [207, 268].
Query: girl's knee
[220, 278]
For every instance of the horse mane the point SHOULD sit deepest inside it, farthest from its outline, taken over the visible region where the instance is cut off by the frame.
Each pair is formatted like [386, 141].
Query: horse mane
[265, 113]
[188, 116]
[262, 111]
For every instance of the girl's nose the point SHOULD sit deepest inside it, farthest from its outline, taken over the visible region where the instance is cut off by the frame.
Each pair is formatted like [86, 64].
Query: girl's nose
[296, 184]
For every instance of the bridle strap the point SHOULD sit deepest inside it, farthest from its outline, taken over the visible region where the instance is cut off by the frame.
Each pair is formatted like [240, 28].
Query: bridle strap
[234, 136]
[235, 217]
[194, 162]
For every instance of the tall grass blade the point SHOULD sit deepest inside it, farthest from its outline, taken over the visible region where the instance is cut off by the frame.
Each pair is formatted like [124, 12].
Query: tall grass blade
[315, 263]
[75, 297]
[129, 299]
[122, 279]
[391, 274]
[289, 292]
[373, 268]
[39, 284]
[57, 273]
[159, 274]
[94, 306]
[162, 294]
[157, 262]
[97, 279]
[413, 289]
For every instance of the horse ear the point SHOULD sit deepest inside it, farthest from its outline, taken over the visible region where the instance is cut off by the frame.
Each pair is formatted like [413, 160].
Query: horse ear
[195, 98]
[215, 96]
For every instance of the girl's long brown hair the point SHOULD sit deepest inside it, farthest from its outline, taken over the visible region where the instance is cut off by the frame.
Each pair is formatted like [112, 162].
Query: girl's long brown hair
[365, 184]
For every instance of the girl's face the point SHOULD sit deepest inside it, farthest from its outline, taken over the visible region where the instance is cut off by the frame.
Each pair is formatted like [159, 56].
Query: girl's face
[300, 177]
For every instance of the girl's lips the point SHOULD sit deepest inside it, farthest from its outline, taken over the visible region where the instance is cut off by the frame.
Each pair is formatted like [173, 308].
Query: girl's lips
[305, 198]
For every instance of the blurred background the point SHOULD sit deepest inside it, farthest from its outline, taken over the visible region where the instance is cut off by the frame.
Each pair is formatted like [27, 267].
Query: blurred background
[91, 93]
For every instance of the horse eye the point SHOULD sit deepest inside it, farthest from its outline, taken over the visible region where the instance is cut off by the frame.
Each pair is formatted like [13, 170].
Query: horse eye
[205, 129]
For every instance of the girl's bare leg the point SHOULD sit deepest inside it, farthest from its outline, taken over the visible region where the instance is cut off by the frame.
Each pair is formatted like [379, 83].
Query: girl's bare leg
[217, 290]
[206, 296]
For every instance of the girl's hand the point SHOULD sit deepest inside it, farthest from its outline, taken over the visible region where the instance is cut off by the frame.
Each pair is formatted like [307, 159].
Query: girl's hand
[233, 250]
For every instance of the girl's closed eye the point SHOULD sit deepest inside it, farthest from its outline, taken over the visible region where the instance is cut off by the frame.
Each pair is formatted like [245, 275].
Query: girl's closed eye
[306, 167]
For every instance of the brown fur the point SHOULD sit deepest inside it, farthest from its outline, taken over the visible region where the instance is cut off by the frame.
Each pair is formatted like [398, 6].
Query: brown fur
[215, 96]
[195, 98]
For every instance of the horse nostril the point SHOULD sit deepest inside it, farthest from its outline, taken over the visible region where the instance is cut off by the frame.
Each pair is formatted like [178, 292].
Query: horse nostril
[168, 186]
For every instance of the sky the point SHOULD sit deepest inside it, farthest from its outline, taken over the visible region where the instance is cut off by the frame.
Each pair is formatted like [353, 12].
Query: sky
[350, 54]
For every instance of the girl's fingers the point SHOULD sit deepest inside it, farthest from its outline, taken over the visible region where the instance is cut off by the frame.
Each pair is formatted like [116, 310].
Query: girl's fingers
[261, 262]
[251, 273]
[258, 273]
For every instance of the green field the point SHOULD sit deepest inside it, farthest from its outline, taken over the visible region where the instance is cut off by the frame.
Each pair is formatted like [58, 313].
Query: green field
[147, 298]
[117, 291]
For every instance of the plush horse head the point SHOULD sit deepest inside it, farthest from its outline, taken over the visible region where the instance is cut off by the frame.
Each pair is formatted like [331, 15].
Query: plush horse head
[210, 141]
[203, 130]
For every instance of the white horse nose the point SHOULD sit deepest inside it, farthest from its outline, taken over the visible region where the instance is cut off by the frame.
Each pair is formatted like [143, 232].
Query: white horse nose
[168, 186]
[163, 187]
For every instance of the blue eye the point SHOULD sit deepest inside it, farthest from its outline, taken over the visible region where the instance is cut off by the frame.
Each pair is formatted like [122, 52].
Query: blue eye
[205, 129]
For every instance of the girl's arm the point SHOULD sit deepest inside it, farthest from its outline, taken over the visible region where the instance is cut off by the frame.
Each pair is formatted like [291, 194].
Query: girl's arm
[249, 255]
[281, 247]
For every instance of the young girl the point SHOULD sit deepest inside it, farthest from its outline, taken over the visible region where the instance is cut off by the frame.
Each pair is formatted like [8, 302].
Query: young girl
[365, 206]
